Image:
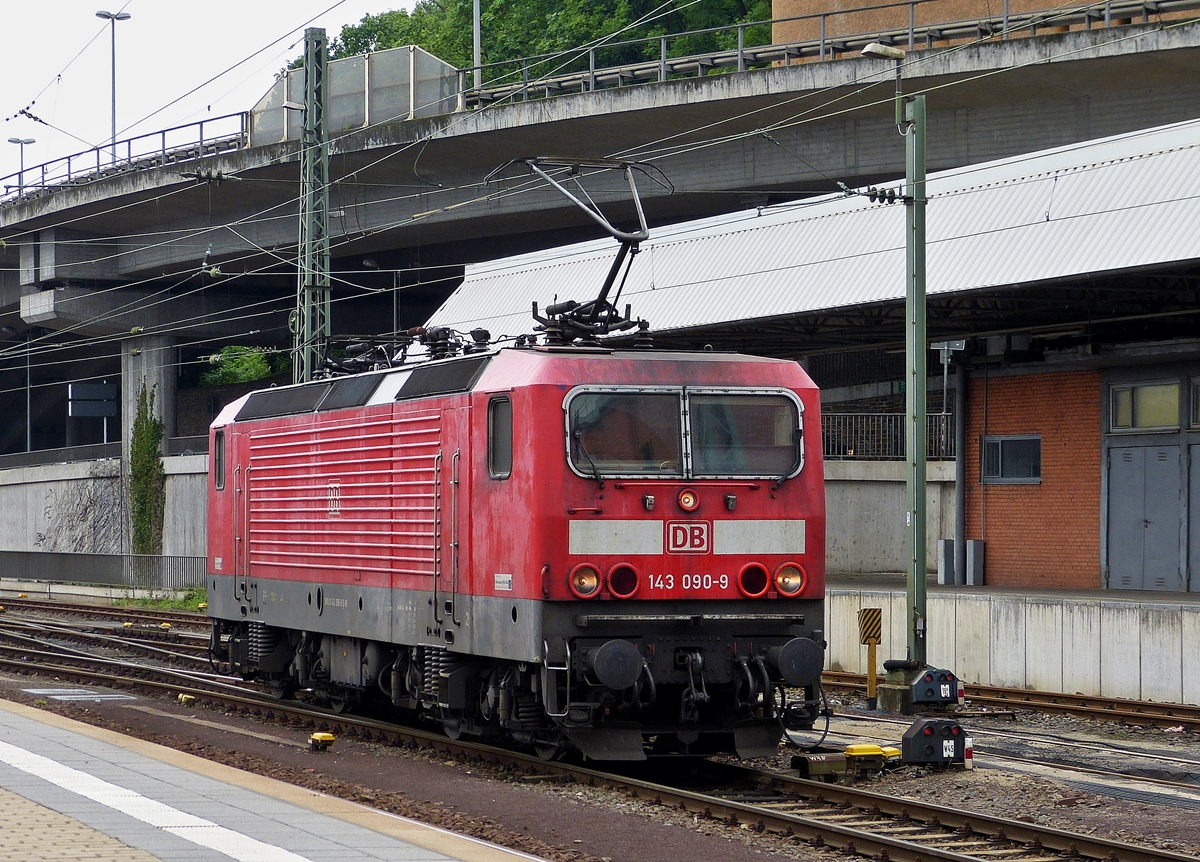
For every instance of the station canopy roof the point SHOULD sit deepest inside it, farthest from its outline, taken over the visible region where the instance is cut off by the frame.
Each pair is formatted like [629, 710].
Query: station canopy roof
[1100, 234]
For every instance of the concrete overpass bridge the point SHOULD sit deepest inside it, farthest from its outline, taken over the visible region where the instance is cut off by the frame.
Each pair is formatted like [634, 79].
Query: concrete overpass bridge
[171, 260]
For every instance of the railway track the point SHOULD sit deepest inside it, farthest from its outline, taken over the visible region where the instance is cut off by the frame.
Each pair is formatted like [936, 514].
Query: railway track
[153, 616]
[1104, 708]
[193, 651]
[820, 815]
[1142, 769]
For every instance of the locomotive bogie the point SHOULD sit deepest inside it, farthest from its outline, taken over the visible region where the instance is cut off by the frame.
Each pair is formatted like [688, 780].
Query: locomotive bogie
[617, 552]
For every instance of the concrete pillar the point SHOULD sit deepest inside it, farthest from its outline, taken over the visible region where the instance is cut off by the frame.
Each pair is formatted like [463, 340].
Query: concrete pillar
[148, 360]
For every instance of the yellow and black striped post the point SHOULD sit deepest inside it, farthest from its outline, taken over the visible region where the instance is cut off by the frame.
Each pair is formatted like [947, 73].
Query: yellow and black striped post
[870, 632]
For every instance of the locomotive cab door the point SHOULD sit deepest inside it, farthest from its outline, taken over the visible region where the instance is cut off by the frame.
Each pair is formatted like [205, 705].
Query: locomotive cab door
[451, 598]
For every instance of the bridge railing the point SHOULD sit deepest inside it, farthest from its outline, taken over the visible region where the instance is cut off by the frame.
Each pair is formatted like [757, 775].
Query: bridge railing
[652, 59]
[738, 47]
[177, 145]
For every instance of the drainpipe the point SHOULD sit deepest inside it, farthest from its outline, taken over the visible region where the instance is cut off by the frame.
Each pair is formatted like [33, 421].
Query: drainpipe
[960, 473]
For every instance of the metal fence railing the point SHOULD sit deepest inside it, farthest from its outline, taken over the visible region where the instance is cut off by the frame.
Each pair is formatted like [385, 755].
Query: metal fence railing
[177, 145]
[65, 455]
[187, 445]
[881, 437]
[128, 570]
[98, 452]
[739, 47]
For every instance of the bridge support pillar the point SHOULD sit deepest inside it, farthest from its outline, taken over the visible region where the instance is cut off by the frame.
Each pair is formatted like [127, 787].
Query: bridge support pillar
[147, 360]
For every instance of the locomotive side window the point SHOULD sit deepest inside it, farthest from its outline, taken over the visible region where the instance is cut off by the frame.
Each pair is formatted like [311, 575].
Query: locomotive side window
[622, 433]
[500, 431]
[218, 460]
[744, 435]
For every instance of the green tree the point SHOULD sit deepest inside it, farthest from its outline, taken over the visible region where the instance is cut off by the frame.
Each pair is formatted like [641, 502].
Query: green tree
[239, 365]
[512, 29]
[147, 479]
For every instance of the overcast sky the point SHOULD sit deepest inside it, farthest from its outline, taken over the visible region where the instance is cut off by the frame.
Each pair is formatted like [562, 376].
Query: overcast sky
[59, 53]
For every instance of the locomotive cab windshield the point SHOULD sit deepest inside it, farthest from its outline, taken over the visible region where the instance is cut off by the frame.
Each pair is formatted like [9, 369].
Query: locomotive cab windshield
[684, 433]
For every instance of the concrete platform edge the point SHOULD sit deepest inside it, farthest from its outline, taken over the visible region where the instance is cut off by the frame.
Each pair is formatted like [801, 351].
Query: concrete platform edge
[402, 828]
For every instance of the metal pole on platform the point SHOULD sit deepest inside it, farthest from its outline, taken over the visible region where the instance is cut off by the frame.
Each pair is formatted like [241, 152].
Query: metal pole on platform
[910, 122]
[28, 397]
[915, 376]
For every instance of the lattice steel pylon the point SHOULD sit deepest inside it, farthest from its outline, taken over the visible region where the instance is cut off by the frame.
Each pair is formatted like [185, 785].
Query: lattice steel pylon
[311, 325]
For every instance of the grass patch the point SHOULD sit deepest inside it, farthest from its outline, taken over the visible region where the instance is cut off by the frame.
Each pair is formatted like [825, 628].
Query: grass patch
[190, 600]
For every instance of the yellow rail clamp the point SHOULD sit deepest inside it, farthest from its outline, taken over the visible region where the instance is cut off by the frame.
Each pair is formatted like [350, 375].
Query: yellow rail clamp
[187, 699]
[166, 627]
[22, 595]
[1, 609]
[320, 741]
[203, 606]
[127, 625]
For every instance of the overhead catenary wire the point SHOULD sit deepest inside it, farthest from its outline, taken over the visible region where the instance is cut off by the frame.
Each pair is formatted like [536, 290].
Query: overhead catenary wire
[489, 197]
[649, 17]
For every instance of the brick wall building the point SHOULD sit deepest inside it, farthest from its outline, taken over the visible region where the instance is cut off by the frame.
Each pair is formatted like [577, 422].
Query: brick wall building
[1043, 533]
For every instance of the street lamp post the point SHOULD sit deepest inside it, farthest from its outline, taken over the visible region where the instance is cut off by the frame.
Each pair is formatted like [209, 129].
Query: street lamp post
[114, 17]
[21, 176]
[910, 121]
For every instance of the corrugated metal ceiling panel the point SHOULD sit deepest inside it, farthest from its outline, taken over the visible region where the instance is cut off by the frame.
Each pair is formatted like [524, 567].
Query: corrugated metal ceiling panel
[1119, 203]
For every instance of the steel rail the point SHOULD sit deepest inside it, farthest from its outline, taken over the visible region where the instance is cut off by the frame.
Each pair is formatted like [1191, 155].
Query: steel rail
[197, 652]
[134, 614]
[1108, 708]
[1058, 841]
[853, 825]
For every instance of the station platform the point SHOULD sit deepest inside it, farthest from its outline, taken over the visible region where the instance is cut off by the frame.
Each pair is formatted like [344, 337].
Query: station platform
[70, 791]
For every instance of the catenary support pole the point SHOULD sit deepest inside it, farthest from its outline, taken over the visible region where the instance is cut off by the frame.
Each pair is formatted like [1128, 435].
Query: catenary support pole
[312, 280]
[915, 374]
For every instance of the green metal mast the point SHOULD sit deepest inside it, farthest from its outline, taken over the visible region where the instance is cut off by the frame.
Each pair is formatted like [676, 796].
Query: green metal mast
[312, 282]
[915, 374]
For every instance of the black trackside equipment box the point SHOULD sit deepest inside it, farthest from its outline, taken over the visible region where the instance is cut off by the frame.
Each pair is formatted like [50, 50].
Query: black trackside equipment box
[934, 740]
[935, 687]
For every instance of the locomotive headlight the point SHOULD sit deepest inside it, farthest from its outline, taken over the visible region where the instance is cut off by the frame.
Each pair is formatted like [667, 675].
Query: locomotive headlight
[789, 579]
[585, 581]
[689, 500]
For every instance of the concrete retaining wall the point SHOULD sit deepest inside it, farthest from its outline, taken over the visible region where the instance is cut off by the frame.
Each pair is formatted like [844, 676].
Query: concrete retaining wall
[865, 504]
[79, 507]
[1114, 647]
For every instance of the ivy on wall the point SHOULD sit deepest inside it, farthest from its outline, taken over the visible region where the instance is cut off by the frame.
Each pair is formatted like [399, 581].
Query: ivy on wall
[147, 479]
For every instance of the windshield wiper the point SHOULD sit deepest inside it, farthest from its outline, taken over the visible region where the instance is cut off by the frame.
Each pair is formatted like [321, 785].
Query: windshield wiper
[795, 463]
[591, 463]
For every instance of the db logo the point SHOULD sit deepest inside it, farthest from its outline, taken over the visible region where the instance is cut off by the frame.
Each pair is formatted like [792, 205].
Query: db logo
[687, 537]
[334, 500]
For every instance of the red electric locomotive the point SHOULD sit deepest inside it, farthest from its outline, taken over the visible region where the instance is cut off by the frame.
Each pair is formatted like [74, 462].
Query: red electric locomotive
[619, 551]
